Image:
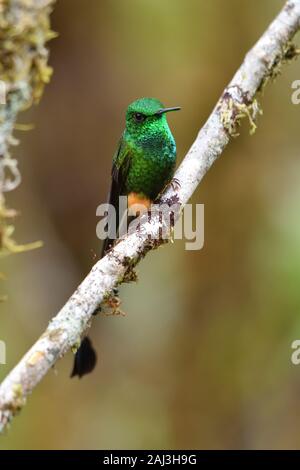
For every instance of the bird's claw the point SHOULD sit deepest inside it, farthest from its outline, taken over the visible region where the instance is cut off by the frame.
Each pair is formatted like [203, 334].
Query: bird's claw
[175, 184]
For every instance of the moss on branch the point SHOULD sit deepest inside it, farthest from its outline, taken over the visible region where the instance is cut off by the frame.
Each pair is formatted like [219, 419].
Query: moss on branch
[24, 71]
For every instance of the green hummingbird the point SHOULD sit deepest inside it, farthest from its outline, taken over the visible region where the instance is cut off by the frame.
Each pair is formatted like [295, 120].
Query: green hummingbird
[143, 165]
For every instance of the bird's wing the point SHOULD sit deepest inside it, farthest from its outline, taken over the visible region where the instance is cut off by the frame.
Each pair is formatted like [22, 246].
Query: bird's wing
[119, 172]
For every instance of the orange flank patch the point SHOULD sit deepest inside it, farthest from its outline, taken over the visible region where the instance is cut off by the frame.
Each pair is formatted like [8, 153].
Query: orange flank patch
[138, 204]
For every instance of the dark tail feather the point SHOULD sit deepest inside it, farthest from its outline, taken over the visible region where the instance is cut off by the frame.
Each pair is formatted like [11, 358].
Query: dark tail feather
[85, 359]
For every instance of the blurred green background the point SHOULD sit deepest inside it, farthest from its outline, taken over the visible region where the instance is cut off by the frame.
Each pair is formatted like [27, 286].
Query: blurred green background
[202, 357]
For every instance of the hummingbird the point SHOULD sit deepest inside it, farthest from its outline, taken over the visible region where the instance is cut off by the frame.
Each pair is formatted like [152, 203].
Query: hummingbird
[143, 165]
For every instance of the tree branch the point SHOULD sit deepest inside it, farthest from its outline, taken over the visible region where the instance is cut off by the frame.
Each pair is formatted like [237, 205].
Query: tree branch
[237, 101]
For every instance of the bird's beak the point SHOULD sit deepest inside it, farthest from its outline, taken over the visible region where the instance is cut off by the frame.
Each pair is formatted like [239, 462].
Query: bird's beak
[167, 110]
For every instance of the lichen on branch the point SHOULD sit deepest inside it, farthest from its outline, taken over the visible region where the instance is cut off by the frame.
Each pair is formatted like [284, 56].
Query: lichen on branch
[24, 71]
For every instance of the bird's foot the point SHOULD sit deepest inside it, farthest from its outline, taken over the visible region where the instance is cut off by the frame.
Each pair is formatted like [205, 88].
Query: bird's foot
[175, 184]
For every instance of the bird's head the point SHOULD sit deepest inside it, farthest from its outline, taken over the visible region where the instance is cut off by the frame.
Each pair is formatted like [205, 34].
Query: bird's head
[145, 115]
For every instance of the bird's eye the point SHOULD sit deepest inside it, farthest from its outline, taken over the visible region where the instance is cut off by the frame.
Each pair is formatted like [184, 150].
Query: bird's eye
[139, 117]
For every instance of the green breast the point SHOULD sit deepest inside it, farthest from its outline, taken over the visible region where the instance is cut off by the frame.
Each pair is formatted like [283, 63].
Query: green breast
[152, 164]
